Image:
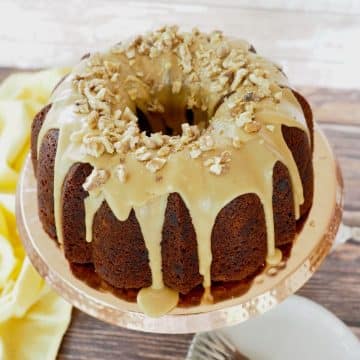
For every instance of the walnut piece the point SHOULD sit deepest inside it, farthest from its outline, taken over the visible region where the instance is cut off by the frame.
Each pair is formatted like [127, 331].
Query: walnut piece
[121, 173]
[155, 164]
[243, 119]
[252, 127]
[206, 143]
[218, 164]
[97, 178]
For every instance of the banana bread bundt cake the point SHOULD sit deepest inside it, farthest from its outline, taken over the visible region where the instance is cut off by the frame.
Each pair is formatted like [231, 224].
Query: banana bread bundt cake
[172, 161]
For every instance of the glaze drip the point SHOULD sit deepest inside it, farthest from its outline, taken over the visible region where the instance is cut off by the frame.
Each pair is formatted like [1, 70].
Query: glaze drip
[239, 103]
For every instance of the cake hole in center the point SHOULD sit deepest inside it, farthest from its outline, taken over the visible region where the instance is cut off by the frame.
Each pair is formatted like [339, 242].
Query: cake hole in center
[169, 122]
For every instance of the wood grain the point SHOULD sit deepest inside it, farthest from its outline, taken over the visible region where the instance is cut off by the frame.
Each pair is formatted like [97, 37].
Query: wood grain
[334, 106]
[336, 285]
[89, 338]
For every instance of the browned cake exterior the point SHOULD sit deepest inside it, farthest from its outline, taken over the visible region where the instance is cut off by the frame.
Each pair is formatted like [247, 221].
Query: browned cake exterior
[179, 247]
[118, 251]
[45, 179]
[35, 130]
[76, 248]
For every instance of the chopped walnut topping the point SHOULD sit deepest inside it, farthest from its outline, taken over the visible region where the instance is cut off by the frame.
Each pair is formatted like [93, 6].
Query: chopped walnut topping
[104, 122]
[155, 164]
[96, 145]
[142, 154]
[133, 142]
[130, 53]
[236, 110]
[93, 148]
[278, 96]
[223, 50]
[216, 87]
[195, 152]
[92, 119]
[114, 77]
[176, 86]
[249, 96]
[225, 157]
[234, 60]
[164, 151]
[189, 133]
[121, 147]
[149, 143]
[239, 76]
[216, 168]
[111, 67]
[80, 84]
[243, 118]
[217, 164]
[263, 84]
[185, 58]
[158, 139]
[97, 178]
[155, 141]
[82, 106]
[231, 103]
[216, 36]
[128, 115]
[206, 143]
[154, 52]
[117, 117]
[95, 59]
[252, 127]
[210, 68]
[223, 80]
[121, 173]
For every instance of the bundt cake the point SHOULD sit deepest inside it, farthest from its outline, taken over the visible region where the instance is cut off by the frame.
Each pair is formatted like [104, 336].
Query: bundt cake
[173, 161]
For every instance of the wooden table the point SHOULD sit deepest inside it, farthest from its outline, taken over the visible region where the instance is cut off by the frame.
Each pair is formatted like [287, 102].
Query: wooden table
[336, 285]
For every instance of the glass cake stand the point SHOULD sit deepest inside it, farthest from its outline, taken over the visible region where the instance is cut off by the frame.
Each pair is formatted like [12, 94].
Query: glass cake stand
[268, 289]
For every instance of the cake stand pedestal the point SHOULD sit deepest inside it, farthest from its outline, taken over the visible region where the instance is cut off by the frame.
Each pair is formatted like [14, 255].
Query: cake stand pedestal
[269, 288]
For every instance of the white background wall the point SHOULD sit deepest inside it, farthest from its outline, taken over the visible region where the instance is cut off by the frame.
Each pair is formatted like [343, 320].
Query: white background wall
[318, 42]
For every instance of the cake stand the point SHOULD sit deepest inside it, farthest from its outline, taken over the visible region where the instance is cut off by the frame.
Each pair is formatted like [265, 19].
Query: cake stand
[269, 288]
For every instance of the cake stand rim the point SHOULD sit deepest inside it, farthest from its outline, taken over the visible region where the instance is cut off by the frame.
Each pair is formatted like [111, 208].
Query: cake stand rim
[183, 322]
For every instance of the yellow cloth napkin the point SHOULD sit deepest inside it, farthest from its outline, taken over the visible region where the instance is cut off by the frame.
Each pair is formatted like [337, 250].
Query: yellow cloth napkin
[33, 319]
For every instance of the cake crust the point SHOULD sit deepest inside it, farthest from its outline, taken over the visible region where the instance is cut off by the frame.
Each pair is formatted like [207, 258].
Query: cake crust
[45, 181]
[76, 248]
